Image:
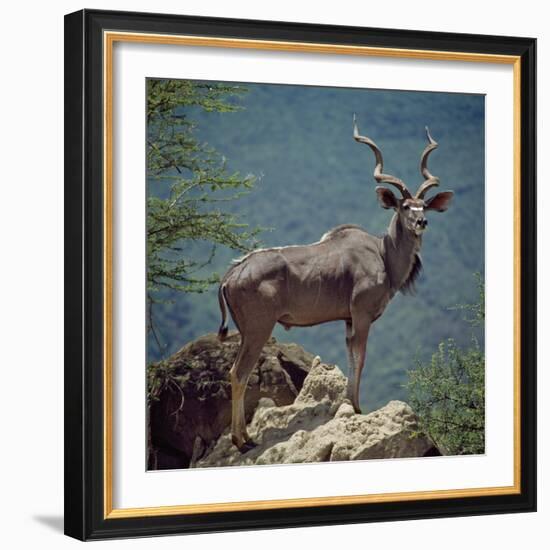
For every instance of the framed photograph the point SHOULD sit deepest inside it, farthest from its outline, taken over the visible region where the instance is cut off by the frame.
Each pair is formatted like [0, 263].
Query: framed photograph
[300, 274]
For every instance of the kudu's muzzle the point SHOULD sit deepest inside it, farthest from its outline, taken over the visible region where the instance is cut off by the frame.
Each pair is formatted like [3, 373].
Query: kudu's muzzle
[421, 223]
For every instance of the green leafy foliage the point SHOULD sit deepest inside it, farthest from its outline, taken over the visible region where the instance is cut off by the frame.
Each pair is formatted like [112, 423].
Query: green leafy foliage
[448, 393]
[188, 183]
[475, 313]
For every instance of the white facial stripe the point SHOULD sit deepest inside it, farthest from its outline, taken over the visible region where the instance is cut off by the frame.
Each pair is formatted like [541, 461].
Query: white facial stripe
[417, 208]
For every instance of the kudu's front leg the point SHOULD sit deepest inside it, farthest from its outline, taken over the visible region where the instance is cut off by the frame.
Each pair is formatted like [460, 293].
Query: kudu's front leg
[357, 334]
[351, 361]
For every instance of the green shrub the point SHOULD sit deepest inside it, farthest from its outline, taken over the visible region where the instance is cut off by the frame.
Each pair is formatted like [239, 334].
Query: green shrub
[448, 393]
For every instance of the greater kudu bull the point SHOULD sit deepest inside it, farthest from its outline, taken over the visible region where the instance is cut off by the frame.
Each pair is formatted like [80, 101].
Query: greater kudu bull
[348, 275]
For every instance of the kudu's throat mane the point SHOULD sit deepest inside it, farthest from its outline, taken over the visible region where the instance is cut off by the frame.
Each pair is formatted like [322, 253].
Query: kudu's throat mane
[402, 257]
[409, 286]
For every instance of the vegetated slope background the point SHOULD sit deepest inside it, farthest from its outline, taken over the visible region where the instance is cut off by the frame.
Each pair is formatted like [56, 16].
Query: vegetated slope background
[313, 176]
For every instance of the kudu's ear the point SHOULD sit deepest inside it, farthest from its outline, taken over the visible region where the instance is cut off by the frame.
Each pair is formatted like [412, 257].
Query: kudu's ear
[439, 202]
[386, 198]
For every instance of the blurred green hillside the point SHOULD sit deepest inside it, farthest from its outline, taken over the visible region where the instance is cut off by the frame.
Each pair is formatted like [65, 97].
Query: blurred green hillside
[313, 176]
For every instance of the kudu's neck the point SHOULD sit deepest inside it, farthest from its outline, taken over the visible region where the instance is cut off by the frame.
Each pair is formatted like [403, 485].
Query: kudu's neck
[401, 248]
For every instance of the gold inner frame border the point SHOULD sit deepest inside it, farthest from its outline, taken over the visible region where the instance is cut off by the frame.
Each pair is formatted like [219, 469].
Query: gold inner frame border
[109, 39]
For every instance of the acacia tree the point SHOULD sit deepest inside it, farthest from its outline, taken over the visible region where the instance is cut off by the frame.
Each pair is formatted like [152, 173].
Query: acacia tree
[188, 184]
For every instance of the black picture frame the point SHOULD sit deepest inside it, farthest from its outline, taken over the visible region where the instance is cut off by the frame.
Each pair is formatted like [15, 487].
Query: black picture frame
[84, 282]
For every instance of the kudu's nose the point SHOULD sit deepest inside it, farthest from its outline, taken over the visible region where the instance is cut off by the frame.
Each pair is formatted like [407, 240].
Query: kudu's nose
[422, 222]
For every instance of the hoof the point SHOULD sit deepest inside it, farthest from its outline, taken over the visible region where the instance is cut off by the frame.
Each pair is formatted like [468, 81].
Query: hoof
[247, 446]
[243, 447]
[357, 409]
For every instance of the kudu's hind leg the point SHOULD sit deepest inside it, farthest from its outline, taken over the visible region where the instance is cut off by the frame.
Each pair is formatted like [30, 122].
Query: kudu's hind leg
[248, 355]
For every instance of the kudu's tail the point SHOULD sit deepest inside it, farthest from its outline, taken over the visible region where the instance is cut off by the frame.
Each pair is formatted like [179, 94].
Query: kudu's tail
[222, 332]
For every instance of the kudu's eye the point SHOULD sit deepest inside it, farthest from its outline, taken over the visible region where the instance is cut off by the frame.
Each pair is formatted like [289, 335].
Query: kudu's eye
[406, 207]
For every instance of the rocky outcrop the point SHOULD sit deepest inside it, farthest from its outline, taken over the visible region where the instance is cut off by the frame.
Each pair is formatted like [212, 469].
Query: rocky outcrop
[193, 406]
[321, 425]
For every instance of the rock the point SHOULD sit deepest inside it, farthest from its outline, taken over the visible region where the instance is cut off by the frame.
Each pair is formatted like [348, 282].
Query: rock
[321, 426]
[194, 406]
[325, 383]
[389, 432]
